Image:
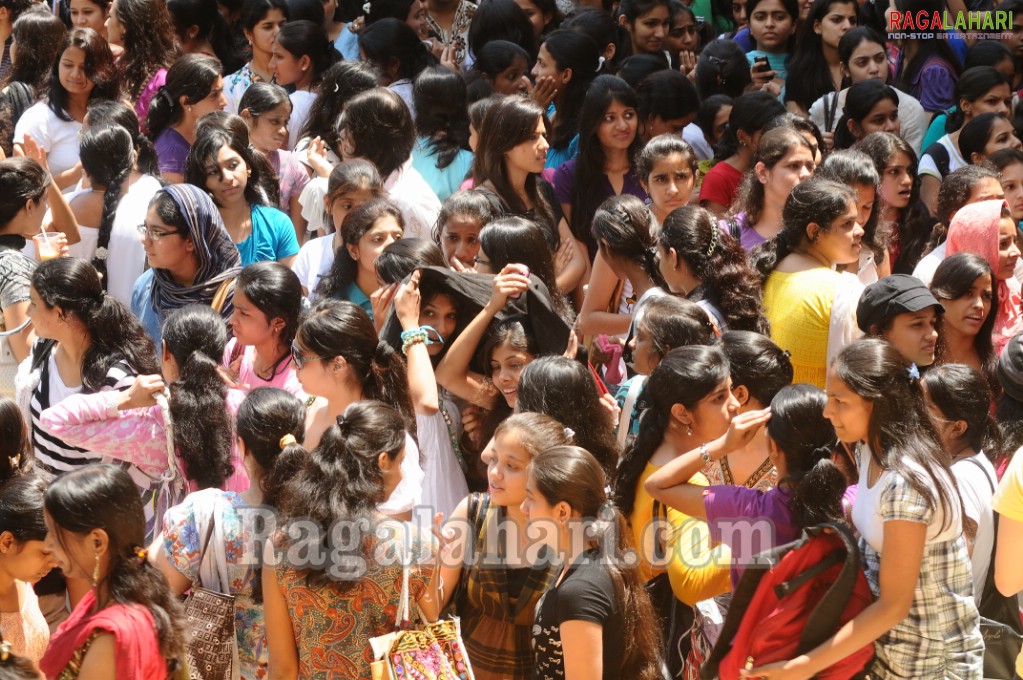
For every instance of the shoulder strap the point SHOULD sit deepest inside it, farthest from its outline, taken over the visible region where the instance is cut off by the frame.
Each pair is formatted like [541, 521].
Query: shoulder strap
[226, 286]
[990, 482]
[477, 509]
[631, 397]
[830, 108]
[205, 546]
[734, 230]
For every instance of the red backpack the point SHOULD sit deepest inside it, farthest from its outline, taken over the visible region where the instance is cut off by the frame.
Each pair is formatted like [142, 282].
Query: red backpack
[810, 588]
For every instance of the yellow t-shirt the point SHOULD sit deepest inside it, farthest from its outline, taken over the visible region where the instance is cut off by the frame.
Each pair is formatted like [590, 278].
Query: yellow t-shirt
[798, 305]
[1008, 501]
[697, 570]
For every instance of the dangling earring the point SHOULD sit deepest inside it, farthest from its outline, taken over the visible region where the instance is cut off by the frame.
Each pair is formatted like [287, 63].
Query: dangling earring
[689, 430]
[95, 572]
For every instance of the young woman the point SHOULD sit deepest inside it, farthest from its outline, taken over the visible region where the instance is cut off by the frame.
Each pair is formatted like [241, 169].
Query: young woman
[750, 114]
[772, 28]
[1009, 163]
[261, 21]
[202, 29]
[496, 602]
[816, 66]
[810, 306]
[647, 23]
[339, 359]
[224, 165]
[501, 20]
[567, 63]
[596, 619]
[666, 103]
[398, 53]
[926, 69]
[986, 134]
[83, 71]
[903, 215]
[722, 69]
[380, 114]
[981, 89]
[504, 66]
[685, 37]
[89, 14]
[365, 231]
[667, 170]
[863, 57]
[625, 268]
[270, 427]
[510, 156]
[190, 254]
[301, 55]
[266, 110]
[128, 624]
[462, 218]
[799, 441]
[870, 106]
[707, 266]
[351, 184]
[965, 285]
[784, 159]
[344, 79]
[442, 125]
[89, 343]
[907, 502]
[143, 28]
[267, 309]
[193, 88]
[608, 123]
[689, 405]
[105, 113]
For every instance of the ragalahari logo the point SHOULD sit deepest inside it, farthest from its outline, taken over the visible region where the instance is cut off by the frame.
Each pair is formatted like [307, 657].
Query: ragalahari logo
[927, 25]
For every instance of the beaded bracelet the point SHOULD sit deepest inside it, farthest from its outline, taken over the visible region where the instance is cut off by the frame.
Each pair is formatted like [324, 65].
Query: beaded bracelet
[417, 336]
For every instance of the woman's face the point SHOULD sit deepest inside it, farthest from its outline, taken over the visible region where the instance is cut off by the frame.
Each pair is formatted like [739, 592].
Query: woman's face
[72, 73]
[114, 27]
[27, 561]
[617, 130]
[1008, 252]
[460, 240]
[966, 314]
[793, 168]
[227, 184]
[883, 117]
[868, 61]
[655, 125]
[543, 517]
[645, 355]
[287, 68]
[1001, 136]
[316, 374]
[670, 183]
[214, 101]
[506, 366]
[839, 19]
[841, 243]
[897, 181]
[1012, 185]
[546, 66]
[684, 34]
[383, 233]
[507, 470]
[713, 414]
[848, 412]
[440, 313]
[165, 247]
[537, 17]
[512, 80]
[46, 321]
[739, 14]
[416, 19]
[720, 121]
[866, 194]
[76, 557]
[342, 203]
[996, 100]
[649, 30]
[530, 155]
[269, 131]
[87, 14]
[250, 324]
[771, 26]
[264, 33]
[915, 335]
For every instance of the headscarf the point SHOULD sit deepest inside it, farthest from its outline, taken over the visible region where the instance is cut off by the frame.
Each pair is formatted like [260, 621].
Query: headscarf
[219, 260]
[974, 229]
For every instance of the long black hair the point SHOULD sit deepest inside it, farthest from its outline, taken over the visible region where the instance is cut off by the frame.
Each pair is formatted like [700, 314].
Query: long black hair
[757, 364]
[685, 376]
[341, 82]
[441, 112]
[857, 169]
[809, 71]
[114, 333]
[928, 49]
[212, 28]
[277, 293]
[307, 39]
[99, 68]
[972, 85]
[860, 100]
[751, 113]
[391, 43]
[622, 225]
[508, 240]
[344, 271]
[576, 51]
[108, 156]
[952, 280]
[192, 77]
[106, 112]
[39, 36]
[961, 392]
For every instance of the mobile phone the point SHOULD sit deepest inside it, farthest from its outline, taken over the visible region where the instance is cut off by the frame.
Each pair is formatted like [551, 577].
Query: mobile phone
[758, 61]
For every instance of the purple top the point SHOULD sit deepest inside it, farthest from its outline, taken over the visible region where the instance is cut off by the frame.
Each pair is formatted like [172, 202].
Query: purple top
[149, 91]
[564, 183]
[934, 84]
[748, 521]
[171, 151]
[748, 236]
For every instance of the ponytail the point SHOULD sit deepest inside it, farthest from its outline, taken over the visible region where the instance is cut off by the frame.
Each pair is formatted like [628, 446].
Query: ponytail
[388, 382]
[817, 493]
[108, 155]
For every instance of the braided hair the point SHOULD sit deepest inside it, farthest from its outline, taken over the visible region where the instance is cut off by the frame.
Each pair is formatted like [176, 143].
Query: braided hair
[108, 156]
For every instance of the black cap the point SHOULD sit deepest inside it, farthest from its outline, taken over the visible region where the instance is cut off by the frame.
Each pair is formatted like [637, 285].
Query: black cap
[893, 295]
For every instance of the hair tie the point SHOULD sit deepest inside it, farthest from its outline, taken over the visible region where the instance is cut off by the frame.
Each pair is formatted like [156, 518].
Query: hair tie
[366, 8]
[5, 650]
[914, 373]
[165, 94]
[570, 433]
[600, 63]
[341, 422]
[287, 440]
[785, 353]
[714, 239]
[140, 553]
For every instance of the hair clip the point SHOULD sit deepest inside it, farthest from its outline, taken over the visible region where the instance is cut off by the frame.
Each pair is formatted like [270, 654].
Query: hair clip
[600, 64]
[366, 8]
[140, 553]
[785, 353]
[570, 433]
[714, 239]
[5, 650]
[914, 372]
[287, 440]
[341, 421]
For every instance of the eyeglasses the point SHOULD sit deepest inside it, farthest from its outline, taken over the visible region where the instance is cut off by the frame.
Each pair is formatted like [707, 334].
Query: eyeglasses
[480, 261]
[299, 358]
[145, 231]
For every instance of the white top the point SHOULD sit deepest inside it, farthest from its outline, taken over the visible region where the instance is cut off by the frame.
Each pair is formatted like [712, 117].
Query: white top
[913, 119]
[977, 482]
[694, 136]
[313, 262]
[416, 200]
[58, 137]
[301, 103]
[313, 207]
[926, 267]
[955, 160]
[127, 259]
[403, 88]
[444, 485]
[409, 492]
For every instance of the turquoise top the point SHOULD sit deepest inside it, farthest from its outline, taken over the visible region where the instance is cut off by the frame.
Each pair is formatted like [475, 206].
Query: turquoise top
[272, 238]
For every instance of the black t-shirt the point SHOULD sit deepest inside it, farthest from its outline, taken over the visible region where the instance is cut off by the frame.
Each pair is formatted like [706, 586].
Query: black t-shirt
[585, 594]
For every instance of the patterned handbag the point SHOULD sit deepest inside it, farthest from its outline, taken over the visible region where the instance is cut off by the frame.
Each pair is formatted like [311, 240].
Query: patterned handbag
[433, 652]
[210, 644]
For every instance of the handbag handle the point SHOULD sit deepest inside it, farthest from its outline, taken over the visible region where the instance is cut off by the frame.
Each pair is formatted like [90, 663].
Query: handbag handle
[401, 617]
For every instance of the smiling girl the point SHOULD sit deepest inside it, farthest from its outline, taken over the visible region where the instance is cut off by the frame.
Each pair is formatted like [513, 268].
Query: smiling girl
[986, 134]
[647, 23]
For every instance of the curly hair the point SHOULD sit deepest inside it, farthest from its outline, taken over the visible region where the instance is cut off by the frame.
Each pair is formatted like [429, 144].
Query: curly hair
[149, 42]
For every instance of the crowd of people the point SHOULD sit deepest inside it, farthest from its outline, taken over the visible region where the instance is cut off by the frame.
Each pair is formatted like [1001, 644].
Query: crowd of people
[509, 310]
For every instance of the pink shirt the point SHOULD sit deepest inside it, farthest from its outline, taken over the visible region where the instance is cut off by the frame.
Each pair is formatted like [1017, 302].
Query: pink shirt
[149, 91]
[284, 378]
